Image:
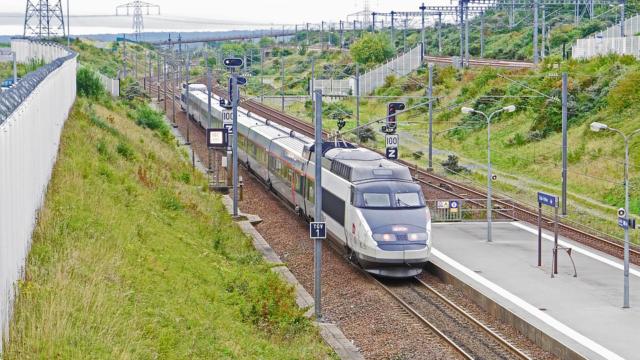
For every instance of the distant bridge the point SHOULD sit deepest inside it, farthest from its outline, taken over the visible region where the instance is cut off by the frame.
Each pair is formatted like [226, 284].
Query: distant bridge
[226, 37]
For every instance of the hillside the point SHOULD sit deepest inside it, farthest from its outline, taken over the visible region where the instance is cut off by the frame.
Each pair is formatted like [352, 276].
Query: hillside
[133, 257]
[526, 144]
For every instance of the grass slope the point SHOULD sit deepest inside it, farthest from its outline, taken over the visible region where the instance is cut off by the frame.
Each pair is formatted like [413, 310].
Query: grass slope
[132, 258]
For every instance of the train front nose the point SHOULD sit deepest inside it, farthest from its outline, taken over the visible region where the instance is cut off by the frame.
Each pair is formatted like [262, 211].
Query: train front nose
[401, 250]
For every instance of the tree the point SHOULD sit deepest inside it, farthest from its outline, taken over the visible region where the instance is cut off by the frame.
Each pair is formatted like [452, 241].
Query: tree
[372, 49]
[266, 42]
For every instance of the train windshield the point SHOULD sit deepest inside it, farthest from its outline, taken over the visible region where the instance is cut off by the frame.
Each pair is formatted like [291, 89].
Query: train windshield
[385, 195]
[376, 200]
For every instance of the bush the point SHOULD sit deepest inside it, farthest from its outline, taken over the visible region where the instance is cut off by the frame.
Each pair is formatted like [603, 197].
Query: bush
[367, 134]
[125, 151]
[452, 166]
[89, 84]
[148, 118]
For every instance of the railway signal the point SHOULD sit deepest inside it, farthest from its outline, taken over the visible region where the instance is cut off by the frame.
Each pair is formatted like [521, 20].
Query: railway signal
[240, 81]
[392, 121]
[233, 62]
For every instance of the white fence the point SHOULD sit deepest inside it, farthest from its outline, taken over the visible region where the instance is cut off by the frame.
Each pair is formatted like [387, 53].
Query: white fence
[32, 115]
[112, 86]
[401, 65]
[590, 47]
[631, 28]
[336, 87]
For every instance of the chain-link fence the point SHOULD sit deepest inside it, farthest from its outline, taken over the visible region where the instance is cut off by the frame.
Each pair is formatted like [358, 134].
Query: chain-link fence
[32, 115]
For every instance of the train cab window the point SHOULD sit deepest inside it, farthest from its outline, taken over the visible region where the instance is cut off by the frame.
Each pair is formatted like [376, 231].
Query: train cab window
[388, 195]
[374, 200]
[407, 199]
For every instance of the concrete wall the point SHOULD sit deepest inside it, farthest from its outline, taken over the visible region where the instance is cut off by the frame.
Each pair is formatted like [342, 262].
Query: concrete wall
[31, 121]
[27, 50]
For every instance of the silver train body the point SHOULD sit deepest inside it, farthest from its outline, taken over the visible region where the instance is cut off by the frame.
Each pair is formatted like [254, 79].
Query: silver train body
[370, 205]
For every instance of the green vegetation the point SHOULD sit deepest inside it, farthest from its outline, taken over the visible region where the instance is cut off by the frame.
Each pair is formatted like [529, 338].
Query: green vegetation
[104, 61]
[372, 49]
[526, 142]
[6, 69]
[88, 84]
[132, 257]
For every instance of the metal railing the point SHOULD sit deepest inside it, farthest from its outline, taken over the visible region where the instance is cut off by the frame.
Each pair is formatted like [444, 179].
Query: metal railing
[461, 210]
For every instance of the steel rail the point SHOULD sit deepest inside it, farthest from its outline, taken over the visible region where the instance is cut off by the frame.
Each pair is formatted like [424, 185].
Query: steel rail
[506, 344]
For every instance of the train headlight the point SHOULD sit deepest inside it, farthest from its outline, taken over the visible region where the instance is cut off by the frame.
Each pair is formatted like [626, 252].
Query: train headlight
[384, 237]
[417, 237]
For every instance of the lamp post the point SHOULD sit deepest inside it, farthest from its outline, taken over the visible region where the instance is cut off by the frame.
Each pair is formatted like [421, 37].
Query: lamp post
[596, 127]
[466, 110]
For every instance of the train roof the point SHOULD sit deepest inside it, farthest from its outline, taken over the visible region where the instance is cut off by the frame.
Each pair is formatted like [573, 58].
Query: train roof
[359, 164]
[344, 159]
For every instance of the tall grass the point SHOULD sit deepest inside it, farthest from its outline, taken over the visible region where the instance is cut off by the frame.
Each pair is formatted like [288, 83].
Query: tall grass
[133, 259]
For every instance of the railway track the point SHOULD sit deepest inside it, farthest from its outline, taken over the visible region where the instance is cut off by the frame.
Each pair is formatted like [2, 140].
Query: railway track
[470, 337]
[507, 64]
[438, 320]
[463, 333]
[456, 190]
[452, 189]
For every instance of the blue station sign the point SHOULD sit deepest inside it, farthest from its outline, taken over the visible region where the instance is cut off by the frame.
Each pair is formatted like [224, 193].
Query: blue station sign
[546, 199]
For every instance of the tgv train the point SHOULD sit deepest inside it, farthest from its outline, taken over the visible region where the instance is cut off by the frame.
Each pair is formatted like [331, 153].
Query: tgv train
[370, 204]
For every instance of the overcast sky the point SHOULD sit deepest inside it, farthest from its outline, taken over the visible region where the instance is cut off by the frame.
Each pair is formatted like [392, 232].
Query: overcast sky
[257, 11]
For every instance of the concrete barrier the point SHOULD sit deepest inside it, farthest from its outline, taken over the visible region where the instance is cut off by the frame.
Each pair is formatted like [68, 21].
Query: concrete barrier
[32, 115]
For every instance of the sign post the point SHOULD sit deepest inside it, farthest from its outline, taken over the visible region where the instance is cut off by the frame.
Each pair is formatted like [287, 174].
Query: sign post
[318, 229]
[392, 141]
[552, 201]
[233, 64]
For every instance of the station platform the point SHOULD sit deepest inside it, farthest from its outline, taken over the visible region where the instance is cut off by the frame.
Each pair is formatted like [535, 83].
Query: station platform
[583, 313]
